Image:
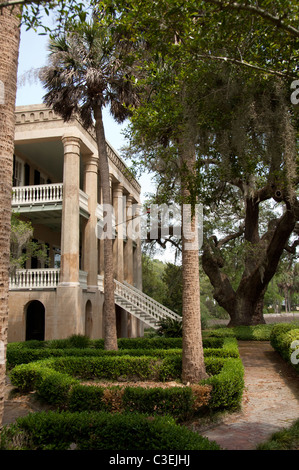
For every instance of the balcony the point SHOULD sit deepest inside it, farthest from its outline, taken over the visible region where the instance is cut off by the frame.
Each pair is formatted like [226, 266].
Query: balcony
[44, 197]
[40, 279]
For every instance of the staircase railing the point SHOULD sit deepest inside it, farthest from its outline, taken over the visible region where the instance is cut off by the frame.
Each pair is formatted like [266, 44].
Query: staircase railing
[139, 304]
[166, 311]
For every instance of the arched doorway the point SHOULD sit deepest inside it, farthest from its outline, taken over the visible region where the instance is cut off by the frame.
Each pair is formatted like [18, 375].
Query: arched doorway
[35, 321]
[88, 319]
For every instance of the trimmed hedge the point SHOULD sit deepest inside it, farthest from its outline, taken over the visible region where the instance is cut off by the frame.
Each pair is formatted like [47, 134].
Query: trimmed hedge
[180, 402]
[101, 431]
[52, 381]
[18, 353]
[227, 385]
[282, 338]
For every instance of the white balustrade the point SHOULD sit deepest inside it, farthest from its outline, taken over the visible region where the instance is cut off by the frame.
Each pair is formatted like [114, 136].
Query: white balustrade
[83, 279]
[83, 200]
[154, 303]
[34, 279]
[38, 194]
[139, 304]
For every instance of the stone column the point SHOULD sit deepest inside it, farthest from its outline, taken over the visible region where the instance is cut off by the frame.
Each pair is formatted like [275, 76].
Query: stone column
[70, 212]
[68, 318]
[118, 246]
[128, 262]
[90, 248]
[128, 248]
[138, 268]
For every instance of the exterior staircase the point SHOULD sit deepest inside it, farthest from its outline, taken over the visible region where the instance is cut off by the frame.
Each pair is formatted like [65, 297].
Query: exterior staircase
[141, 305]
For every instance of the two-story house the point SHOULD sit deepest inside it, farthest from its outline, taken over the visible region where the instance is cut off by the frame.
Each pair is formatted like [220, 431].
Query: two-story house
[56, 186]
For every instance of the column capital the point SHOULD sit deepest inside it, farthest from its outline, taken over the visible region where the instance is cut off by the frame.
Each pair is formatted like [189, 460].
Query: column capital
[129, 199]
[118, 189]
[71, 144]
[90, 162]
[90, 158]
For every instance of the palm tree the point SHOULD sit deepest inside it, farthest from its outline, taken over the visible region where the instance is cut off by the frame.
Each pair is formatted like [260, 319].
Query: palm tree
[9, 44]
[87, 72]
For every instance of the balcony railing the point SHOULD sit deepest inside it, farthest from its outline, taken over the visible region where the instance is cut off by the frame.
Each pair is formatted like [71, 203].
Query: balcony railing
[39, 194]
[44, 196]
[32, 279]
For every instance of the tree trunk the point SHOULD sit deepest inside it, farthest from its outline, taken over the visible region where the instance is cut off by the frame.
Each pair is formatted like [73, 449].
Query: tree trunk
[245, 304]
[109, 303]
[248, 311]
[193, 366]
[9, 44]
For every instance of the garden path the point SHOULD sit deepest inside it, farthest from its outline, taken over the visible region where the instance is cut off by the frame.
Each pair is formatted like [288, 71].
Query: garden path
[270, 400]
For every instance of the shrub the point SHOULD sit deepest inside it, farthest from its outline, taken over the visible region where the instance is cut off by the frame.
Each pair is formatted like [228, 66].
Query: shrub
[181, 402]
[52, 386]
[17, 353]
[51, 381]
[109, 367]
[227, 385]
[103, 431]
[170, 328]
[282, 338]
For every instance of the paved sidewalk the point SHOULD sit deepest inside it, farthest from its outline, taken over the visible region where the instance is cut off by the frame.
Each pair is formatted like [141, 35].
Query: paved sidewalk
[270, 400]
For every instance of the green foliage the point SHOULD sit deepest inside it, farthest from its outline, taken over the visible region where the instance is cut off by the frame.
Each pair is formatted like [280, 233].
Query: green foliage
[52, 386]
[52, 380]
[170, 328]
[286, 439]
[103, 431]
[19, 353]
[22, 247]
[227, 386]
[285, 340]
[110, 367]
[244, 333]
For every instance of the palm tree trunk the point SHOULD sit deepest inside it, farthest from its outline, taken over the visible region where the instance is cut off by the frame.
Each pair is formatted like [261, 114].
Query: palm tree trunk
[193, 366]
[9, 44]
[109, 304]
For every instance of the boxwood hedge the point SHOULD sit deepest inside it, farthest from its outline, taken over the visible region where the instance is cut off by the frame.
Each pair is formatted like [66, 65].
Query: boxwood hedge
[56, 381]
[100, 431]
[23, 353]
[285, 340]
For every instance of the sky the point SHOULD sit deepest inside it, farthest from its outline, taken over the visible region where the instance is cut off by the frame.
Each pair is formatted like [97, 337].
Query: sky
[33, 55]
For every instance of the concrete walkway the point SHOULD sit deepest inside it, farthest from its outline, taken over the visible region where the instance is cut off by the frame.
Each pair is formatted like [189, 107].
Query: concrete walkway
[270, 400]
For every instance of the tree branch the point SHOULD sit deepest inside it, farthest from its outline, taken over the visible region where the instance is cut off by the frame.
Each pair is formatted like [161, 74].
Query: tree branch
[246, 64]
[292, 249]
[12, 3]
[230, 237]
[256, 10]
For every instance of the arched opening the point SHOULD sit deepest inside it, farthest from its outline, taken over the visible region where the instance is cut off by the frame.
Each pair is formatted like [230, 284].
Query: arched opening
[88, 319]
[35, 321]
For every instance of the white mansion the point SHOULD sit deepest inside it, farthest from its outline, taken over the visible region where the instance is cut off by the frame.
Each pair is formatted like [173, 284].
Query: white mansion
[56, 186]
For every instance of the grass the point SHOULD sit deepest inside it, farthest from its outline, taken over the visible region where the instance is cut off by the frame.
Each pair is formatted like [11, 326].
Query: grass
[243, 333]
[286, 439]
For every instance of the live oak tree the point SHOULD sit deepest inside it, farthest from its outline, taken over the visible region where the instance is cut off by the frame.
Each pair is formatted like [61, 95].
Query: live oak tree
[195, 44]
